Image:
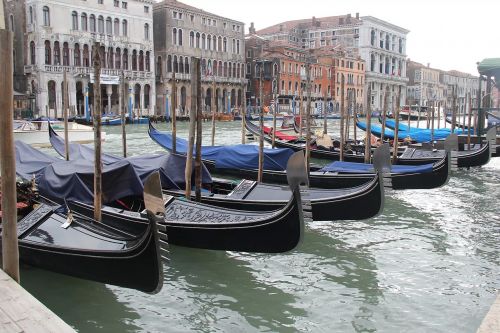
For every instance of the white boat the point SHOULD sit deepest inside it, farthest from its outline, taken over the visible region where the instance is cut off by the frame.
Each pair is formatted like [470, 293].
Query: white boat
[36, 133]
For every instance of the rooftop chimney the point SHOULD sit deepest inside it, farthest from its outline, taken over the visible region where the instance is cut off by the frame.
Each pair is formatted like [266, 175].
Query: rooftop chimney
[251, 30]
[357, 16]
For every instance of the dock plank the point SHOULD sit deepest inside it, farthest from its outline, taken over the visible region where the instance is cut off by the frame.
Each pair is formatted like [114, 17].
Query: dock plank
[491, 323]
[21, 312]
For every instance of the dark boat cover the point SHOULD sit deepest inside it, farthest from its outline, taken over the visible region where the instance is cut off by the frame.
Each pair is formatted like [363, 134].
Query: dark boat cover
[351, 167]
[229, 157]
[74, 180]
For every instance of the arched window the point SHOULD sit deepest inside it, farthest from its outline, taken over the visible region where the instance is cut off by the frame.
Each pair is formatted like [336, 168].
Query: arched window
[141, 61]
[92, 23]
[57, 54]
[230, 69]
[234, 70]
[181, 64]
[146, 31]
[116, 27]
[197, 40]
[191, 39]
[74, 20]
[148, 62]
[109, 26]
[238, 71]
[32, 52]
[84, 22]
[125, 59]
[400, 45]
[203, 42]
[147, 90]
[100, 24]
[219, 44]
[109, 61]
[174, 36]
[118, 58]
[224, 45]
[76, 56]
[65, 54]
[209, 42]
[372, 62]
[176, 65]
[85, 57]
[186, 65]
[372, 38]
[124, 28]
[46, 16]
[134, 60]
[169, 64]
[31, 15]
[216, 67]
[203, 66]
[179, 41]
[225, 69]
[238, 46]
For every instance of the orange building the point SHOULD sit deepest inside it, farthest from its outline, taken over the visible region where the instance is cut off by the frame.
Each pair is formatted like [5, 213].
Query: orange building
[284, 74]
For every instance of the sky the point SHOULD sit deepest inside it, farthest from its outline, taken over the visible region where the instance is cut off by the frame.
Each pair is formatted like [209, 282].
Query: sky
[447, 34]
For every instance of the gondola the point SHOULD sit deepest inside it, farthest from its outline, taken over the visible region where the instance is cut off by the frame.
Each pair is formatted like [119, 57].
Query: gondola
[187, 223]
[428, 176]
[76, 245]
[297, 145]
[478, 155]
[326, 204]
[196, 225]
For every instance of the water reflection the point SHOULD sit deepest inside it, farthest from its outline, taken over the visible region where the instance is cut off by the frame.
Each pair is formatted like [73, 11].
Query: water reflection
[87, 306]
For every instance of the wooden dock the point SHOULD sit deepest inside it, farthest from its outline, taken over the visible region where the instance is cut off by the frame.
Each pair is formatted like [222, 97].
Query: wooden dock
[491, 323]
[21, 312]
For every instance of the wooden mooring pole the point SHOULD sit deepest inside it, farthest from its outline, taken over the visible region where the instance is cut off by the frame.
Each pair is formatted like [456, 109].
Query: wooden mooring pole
[10, 249]
[192, 126]
[396, 128]
[97, 133]
[469, 120]
[384, 113]
[199, 126]
[368, 142]
[213, 111]
[123, 111]
[342, 115]
[65, 113]
[261, 127]
[243, 116]
[308, 116]
[325, 113]
[174, 114]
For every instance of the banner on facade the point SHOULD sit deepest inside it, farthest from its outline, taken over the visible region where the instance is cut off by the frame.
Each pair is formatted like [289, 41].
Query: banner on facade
[107, 79]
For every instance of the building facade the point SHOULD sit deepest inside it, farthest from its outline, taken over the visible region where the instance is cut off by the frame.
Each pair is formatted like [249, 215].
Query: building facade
[182, 32]
[60, 36]
[380, 44]
[424, 85]
[285, 67]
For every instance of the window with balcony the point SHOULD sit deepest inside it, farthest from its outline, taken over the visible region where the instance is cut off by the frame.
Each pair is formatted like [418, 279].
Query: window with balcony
[83, 22]
[85, 56]
[116, 27]
[92, 23]
[191, 39]
[57, 54]
[118, 57]
[65, 54]
[100, 24]
[109, 26]
[124, 28]
[46, 16]
[179, 42]
[76, 56]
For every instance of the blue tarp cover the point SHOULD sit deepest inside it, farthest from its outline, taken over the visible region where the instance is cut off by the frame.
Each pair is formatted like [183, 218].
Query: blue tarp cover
[350, 167]
[229, 157]
[391, 123]
[418, 135]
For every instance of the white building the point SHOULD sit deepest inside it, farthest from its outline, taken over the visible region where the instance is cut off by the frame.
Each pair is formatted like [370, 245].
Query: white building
[383, 47]
[60, 36]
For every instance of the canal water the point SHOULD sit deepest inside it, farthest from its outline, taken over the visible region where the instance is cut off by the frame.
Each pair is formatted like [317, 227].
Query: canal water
[428, 263]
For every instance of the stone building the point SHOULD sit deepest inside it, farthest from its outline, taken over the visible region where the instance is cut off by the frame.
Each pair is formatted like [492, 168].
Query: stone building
[59, 36]
[380, 44]
[182, 32]
[424, 85]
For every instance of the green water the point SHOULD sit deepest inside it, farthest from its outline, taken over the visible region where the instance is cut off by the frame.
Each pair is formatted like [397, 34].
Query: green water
[429, 263]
